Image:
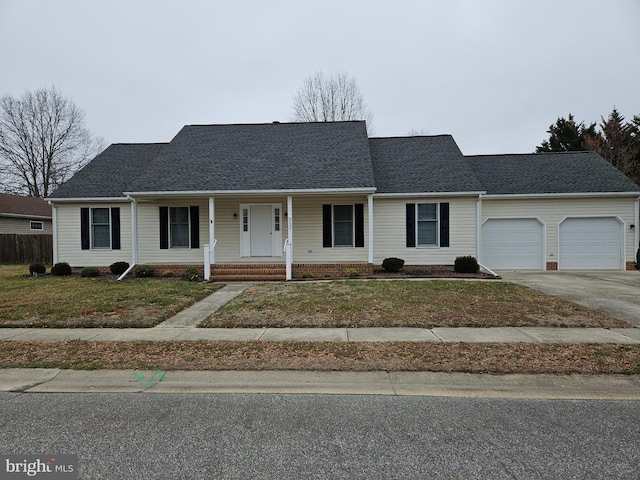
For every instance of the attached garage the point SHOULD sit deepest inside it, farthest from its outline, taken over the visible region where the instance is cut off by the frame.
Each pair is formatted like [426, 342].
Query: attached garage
[591, 244]
[513, 244]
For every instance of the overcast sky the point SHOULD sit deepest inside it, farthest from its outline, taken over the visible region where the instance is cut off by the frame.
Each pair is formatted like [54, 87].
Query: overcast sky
[493, 73]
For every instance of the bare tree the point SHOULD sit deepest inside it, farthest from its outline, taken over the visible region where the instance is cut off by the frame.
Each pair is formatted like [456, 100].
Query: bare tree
[43, 141]
[330, 99]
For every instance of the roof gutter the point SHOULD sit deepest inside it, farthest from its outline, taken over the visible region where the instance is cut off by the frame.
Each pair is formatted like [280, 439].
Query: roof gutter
[87, 199]
[200, 193]
[511, 196]
[428, 194]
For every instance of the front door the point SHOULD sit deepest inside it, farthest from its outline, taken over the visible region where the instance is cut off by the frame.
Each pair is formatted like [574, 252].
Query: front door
[261, 231]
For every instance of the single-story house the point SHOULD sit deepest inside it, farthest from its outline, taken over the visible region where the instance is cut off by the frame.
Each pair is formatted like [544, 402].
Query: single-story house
[286, 200]
[24, 215]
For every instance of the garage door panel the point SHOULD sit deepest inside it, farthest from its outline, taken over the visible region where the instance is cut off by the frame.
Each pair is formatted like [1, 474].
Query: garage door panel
[512, 244]
[590, 244]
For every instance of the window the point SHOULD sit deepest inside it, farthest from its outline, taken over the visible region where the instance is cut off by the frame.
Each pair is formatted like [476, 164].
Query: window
[276, 212]
[100, 228]
[427, 219]
[427, 224]
[36, 226]
[179, 226]
[343, 225]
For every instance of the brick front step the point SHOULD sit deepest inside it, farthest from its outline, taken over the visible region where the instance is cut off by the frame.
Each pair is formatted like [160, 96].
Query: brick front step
[248, 272]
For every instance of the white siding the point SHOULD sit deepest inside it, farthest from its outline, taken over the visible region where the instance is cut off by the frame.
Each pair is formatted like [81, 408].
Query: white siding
[552, 211]
[69, 247]
[389, 226]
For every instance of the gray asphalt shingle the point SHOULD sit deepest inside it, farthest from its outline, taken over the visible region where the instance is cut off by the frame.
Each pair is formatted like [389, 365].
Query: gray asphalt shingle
[421, 164]
[536, 173]
[275, 156]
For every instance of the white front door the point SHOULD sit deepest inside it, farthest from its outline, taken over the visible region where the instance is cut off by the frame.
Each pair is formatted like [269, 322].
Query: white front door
[261, 230]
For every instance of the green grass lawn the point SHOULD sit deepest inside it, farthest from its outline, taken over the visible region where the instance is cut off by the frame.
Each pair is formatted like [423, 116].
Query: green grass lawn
[91, 302]
[380, 303]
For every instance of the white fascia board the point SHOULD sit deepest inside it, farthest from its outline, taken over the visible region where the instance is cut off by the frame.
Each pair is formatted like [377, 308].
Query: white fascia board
[53, 201]
[219, 193]
[429, 194]
[513, 196]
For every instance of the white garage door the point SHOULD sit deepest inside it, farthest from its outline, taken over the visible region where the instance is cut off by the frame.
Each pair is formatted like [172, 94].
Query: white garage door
[590, 244]
[513, 243]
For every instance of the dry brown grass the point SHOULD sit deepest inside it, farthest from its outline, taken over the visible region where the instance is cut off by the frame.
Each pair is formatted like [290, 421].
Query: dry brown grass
[326, 356]
[427, 304]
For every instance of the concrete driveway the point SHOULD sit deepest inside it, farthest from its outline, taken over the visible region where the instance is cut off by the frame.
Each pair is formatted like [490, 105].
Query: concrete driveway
[615, 293]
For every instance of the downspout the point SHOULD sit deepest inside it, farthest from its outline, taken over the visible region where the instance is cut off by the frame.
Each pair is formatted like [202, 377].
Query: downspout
[288, 246]
[134, 237]
[479, 227]
[636, 240]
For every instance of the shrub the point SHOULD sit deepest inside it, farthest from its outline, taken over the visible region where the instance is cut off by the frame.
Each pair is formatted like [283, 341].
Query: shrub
[62, 269]
[467, 264]
[118, 268]
[144, 271]
[392, 264]
[351, 273]
[168, 274]
[36, 269]
[191, 275]
[90, 272]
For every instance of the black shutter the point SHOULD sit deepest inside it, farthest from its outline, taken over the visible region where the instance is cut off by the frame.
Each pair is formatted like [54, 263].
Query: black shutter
[327, 236]
[164, 227]
[359, 224]
[411, 224]
[444, 224]
[85, 237]
[194, 214]
[115, 228]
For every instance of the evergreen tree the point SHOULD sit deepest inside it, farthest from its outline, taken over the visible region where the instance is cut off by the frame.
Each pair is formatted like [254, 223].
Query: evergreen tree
[566, 135]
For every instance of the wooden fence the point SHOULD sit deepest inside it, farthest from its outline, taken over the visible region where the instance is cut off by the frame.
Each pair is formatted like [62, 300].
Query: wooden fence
[26, 248]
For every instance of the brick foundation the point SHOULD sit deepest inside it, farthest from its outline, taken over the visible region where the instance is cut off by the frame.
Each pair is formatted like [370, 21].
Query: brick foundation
[330, 270]
[552, 265]
[631, 265]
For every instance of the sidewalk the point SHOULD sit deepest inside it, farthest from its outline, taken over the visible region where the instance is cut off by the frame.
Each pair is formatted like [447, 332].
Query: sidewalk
[439, 334]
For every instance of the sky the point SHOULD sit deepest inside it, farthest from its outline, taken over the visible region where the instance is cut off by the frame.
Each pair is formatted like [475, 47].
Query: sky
[495, 74]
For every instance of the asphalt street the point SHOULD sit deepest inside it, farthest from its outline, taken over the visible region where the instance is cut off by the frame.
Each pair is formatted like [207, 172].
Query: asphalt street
[204, 436]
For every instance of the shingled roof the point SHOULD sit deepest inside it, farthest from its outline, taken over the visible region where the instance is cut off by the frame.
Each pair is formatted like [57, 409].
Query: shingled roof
[255, 157]
[421, 164]
[18, 206]
[548, 173]
[112, 172]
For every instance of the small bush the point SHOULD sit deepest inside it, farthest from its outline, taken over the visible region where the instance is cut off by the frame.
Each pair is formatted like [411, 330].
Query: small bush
[168, 274]
[118, 268]
[351, 273]
[36, 269]
[144, 271]
[62, 269]
[392, 264]
[191, 275]
[90, 272]
[467, 264]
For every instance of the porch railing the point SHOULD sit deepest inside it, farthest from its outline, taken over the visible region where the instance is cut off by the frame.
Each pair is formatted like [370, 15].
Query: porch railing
[209, 258]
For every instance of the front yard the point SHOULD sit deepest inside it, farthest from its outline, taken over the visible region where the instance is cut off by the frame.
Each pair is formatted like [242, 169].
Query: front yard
[403, 303]
[69, 302]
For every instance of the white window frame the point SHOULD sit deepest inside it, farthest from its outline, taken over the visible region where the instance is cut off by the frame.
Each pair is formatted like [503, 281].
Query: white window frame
[92, 225]
[39, 225]
[437, 222]
[353, 225]
[171, 224]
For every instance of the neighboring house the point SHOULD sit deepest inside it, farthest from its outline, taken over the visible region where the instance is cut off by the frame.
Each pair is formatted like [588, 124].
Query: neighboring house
[313, 199]
[24, 215]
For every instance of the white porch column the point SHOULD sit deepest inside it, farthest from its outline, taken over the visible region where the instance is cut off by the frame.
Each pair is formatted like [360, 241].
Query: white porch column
[289, 242]
[479, 229]
[370, 212]
[54, 225]
[209, 254]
